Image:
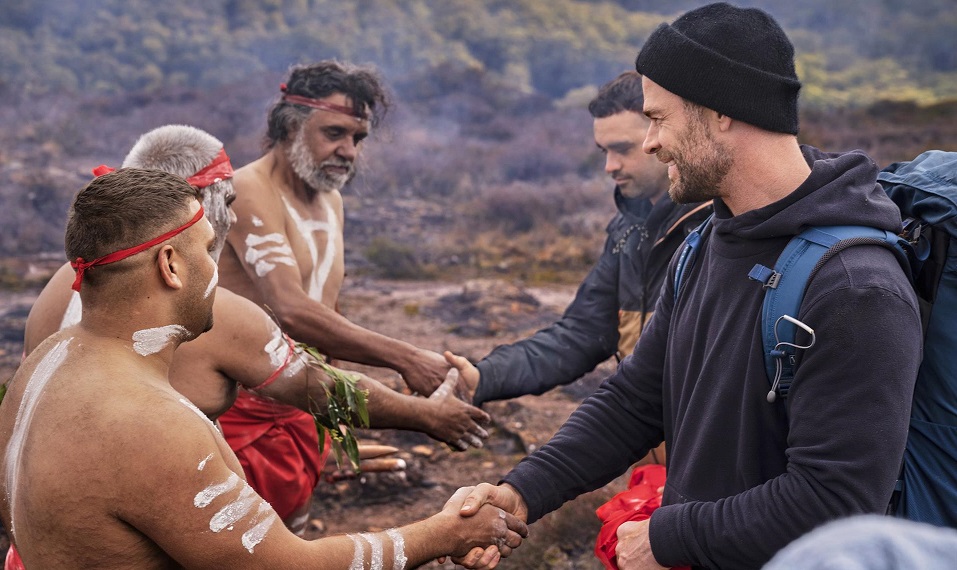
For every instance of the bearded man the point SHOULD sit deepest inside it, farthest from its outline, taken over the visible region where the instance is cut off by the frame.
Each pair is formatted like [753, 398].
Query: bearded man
[285, 252]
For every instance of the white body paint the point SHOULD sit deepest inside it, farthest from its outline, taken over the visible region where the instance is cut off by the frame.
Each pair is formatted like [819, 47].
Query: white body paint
[376, 545]
[257, 222]
[28, 405]
[209, 494]
[398, 549]
[202, 464]
[263, 521]
[229, 515]
[212, 283]
[320, 268]
[74, 311]
[278, 350]
[267, 251]
[151, 341]
[358, 553]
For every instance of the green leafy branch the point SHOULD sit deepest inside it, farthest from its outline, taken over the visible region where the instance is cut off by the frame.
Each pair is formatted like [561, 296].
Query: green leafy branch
[344, 402]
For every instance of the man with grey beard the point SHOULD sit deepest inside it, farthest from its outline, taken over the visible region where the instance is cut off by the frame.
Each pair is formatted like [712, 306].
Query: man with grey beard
[285, 253]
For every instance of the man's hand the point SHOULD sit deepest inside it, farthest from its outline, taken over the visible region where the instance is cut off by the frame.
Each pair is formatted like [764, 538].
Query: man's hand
[469, 376]
[502, 496]
[457, 423]
[507, 531]
[634, 549]
[424, 372]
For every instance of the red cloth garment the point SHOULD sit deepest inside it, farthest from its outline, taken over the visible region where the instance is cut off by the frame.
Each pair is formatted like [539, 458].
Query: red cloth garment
[278, 448]
[634, 504]
[13, 561]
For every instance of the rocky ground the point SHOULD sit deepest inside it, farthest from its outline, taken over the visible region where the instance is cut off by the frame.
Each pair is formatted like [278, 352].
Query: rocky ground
[470, 319]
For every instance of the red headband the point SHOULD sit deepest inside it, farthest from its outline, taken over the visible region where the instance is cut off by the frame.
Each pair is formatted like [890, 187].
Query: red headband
[217, 170]
[82, 266]
[320, 104]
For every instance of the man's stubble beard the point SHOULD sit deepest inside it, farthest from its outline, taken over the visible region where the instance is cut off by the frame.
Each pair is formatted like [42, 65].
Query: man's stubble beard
[313, 175]
[701, 166]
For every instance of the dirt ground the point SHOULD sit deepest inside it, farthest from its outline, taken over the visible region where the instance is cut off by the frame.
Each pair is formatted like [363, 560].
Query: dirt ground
[470, 319]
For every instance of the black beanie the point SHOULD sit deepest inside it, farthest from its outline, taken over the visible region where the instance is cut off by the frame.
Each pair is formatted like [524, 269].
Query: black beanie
[736, 61]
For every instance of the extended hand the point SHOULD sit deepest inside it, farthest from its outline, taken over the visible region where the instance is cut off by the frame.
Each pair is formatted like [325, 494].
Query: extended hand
[493, 532]
[634, 550]
[457, 423]
[468, 374]
[425, 372]
[504, 497]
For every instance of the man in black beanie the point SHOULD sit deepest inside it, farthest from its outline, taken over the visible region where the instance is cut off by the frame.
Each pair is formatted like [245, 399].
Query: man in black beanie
[747, 473]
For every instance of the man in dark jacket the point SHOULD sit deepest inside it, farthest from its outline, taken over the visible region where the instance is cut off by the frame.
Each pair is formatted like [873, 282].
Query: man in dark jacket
[615, 301]
[745, 476]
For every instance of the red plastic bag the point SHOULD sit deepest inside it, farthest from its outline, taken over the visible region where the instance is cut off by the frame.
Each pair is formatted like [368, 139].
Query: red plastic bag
[634, 504]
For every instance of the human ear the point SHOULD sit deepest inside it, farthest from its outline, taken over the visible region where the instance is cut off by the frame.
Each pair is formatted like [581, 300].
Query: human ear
[168, 263]
[723, 122]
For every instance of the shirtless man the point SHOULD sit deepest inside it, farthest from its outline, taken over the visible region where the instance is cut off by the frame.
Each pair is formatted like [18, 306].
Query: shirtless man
[247, 349]
[140, 478]
[285, 252]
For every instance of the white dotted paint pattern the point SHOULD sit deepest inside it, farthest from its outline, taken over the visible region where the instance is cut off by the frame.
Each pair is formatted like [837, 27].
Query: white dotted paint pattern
[151, 341]
[212, 283]
[257, 222]
[265, 517]
[358, 553]
[320, 270]
[28, 405]
[376, 545]
[74, 311]
[278, 350]
[202, 464]
[209, 494]
[398, 549]
[265, 252]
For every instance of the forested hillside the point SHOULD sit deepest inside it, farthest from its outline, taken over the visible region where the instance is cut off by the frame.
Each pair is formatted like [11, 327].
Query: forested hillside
[852, 51]
[487, 160]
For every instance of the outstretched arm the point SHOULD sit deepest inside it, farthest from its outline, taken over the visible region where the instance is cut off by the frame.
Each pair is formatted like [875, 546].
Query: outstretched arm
[263, 248]
[208, 517]
[250, 348]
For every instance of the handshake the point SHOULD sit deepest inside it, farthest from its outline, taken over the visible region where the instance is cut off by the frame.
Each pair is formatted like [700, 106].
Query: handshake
[484, 523]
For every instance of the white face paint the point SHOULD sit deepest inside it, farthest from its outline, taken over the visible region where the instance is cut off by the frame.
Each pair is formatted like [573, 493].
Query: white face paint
[151, 341]
[278, 351]
[217, 213]
[257, 221]
[320, 267]
[265, 252]
[28, 405]
[212, 283]
[74, 311]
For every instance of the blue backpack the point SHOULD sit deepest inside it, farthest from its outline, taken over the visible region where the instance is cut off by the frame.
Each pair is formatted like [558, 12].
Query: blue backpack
[925, 190]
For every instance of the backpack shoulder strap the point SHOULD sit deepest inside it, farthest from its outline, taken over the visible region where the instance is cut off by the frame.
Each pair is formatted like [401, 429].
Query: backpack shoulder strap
[689, 249]
[785, 286]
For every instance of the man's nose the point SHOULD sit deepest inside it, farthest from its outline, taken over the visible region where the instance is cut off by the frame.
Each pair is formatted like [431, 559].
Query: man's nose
[348, 150]
[650, 144]
[612, 164]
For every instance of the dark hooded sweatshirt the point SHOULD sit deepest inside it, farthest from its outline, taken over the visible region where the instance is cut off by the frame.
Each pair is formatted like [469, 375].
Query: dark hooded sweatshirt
[610, 309]
[746, 477]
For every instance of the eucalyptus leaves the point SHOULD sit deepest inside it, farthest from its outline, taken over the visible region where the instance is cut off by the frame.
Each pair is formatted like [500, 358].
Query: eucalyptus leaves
[346, 403]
